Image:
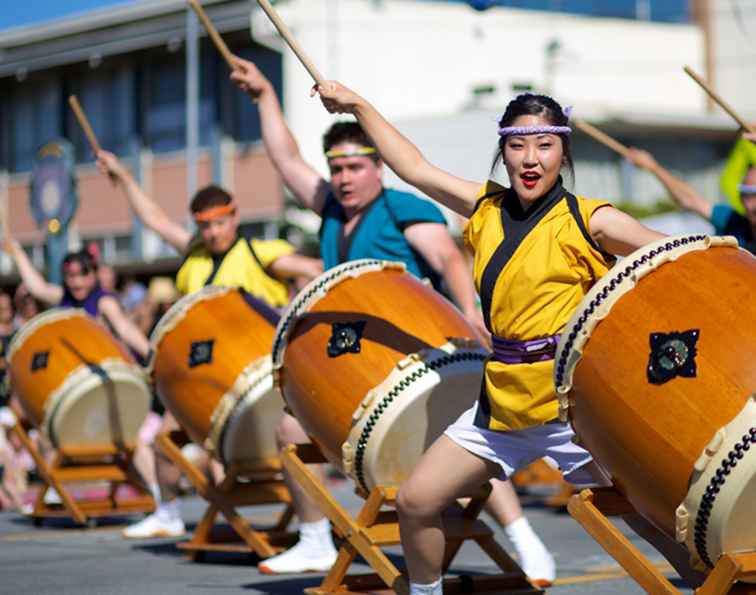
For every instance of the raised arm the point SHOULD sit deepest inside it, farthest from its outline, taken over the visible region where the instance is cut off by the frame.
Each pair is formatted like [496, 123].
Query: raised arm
[399, 153]
[292, 266]
[34, 281]
[681, 192]
[308, 187]
[148, 211]
[126, 330]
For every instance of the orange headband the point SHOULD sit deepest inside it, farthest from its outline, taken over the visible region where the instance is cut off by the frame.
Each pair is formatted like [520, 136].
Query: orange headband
[214, 213]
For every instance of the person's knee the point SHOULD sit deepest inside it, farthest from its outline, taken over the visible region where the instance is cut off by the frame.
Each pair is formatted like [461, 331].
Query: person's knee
[289, 431]
[414, 501]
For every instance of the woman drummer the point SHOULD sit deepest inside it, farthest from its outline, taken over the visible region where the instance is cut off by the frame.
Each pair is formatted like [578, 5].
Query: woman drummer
[80, 290]
[537, 251]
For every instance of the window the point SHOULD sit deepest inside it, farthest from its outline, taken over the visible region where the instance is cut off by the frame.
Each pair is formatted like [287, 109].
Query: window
[34, 119]
[108, 98]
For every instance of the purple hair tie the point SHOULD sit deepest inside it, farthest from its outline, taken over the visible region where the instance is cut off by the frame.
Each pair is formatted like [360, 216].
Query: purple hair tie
[567, 111]
[747, 188]
[523, 130]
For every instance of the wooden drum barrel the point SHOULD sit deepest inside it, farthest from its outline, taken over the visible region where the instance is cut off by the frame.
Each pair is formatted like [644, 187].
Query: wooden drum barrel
[375, 365]
[212, 371]
[656, 372]
[75, 382]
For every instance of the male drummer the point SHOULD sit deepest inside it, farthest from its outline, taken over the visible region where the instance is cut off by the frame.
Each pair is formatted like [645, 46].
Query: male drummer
[362, 219]
[216, 256]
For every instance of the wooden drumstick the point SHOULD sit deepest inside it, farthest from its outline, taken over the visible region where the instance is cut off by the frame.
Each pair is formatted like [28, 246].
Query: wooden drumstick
[4, 224]
[291, 42]
[602, 137]
[722, 103]
[213, 33]
[73, 101]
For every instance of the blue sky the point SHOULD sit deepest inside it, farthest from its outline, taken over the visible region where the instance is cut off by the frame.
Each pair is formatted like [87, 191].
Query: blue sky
[27, 12]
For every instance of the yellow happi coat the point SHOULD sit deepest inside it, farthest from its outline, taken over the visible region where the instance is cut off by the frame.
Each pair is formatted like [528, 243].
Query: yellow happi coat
[244, 265]
[531, 289]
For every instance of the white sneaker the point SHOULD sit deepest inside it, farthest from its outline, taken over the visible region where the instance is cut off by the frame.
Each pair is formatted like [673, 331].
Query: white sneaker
[300, 558]
[155, 526]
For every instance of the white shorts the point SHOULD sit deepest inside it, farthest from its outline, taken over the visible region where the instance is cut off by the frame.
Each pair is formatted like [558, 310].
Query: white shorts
[513, 450]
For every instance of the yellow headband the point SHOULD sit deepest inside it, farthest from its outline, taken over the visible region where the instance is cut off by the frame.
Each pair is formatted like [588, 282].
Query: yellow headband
[361, 152]
[214, 213]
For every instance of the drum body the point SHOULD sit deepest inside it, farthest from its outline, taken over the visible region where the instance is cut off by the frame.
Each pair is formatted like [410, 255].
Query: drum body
[212, 371]
[76, 382]
[656, 374]
[375, 365]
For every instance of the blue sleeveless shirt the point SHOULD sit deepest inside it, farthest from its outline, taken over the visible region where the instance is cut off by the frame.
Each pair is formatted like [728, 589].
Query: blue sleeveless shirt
[90, 303]
[379, 233]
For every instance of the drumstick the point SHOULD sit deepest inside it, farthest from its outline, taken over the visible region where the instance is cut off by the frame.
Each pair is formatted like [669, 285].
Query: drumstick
[213, 33]
[602, 137]
[291, 42]
[722, 103]
[73, 101]
[4, 226]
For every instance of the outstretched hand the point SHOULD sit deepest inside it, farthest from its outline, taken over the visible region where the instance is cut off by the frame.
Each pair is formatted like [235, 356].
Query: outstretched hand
[641, 158]
[336, 98]
[248, 78]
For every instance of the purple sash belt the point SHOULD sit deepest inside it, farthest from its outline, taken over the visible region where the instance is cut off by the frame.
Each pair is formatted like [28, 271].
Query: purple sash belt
[524, 352]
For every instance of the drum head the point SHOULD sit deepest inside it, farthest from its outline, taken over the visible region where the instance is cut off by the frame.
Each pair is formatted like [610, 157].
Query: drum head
[404, 415]
[89, 410]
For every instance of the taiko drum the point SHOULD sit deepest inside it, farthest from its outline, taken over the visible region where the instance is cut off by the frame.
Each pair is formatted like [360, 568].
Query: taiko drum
[212, 370]
[656, 374]
[375, 365]
[76, 382]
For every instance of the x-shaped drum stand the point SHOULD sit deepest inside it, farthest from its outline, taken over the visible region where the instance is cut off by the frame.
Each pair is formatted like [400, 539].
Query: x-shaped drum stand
[242, 486]
[590, 509]
[374, 528]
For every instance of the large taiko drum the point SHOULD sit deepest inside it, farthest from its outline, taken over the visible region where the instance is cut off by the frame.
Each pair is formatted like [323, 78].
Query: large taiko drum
[212, 370]
[657, 374]
[76, 382]
[375, 365]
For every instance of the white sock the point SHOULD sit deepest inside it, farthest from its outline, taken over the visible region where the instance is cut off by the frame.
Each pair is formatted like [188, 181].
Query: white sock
[535, 559]
[168, 511]
[155, 491]
[317, 536]
[434, 588]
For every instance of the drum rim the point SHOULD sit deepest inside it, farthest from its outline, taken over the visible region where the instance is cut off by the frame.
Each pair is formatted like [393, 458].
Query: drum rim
[380, 398]
[313, 292]
[80, 379]
[40, 320]
[176, 313]
[620, 279]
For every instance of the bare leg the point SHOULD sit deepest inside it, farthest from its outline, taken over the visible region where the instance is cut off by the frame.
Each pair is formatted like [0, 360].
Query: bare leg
[315, 549]
[166, 472]
[503, 503]
[291, 432]
[445, 472]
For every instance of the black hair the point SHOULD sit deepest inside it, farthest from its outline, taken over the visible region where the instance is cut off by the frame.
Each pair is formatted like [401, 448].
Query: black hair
[208, 197]
[86, 261]
[530, 104]
[347, 132]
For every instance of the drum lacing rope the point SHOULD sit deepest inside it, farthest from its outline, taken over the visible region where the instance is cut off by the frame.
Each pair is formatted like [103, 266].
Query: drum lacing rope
[394, 393]
[305, 298]
[599, 299]
[716, 483]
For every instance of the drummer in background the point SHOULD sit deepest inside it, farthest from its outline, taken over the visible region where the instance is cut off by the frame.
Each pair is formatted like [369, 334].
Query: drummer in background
[26, 306]
[80, 290]
[218, 256]
[362, 219]
[538, 249]
[725, 219]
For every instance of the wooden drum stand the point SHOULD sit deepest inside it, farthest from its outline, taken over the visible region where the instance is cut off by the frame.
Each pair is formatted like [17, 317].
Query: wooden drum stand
[112, 464]
[591, 507]
[242, 486]
[374, 528]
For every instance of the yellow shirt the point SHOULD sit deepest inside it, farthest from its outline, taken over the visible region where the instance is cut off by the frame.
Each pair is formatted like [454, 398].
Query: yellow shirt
[534, 295]
[239, 267]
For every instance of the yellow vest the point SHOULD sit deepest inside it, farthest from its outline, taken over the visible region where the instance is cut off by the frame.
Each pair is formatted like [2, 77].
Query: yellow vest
[534, 295]
[239, 267]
